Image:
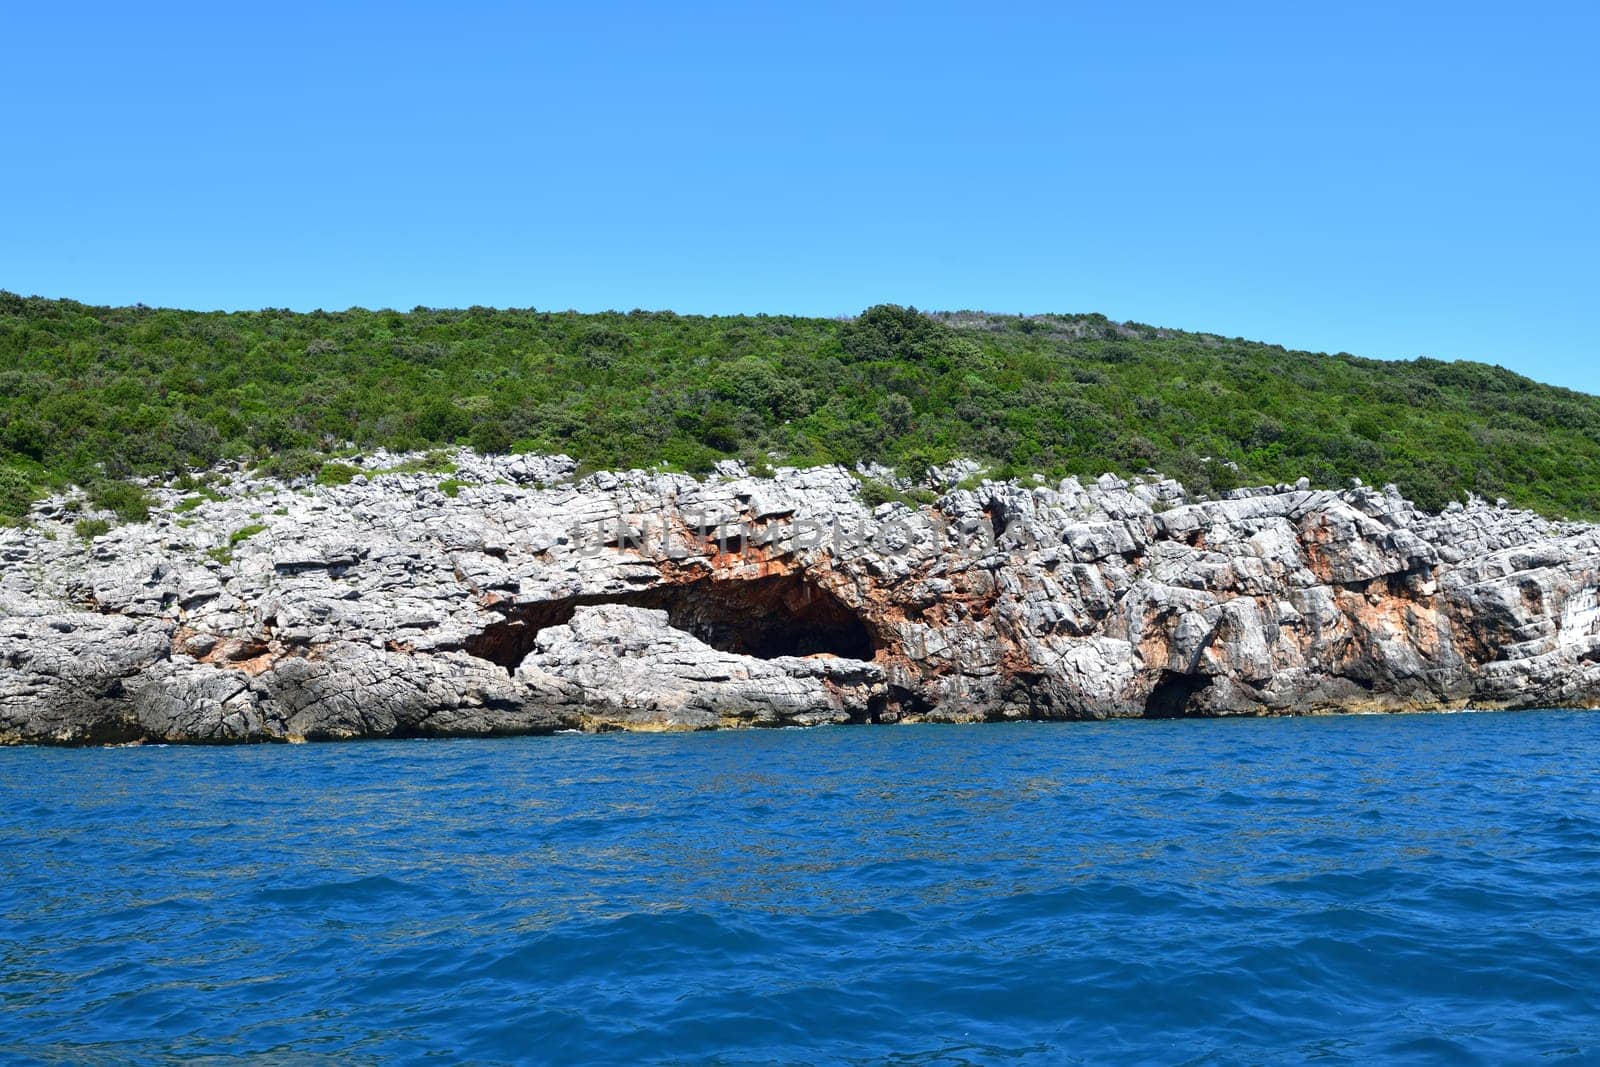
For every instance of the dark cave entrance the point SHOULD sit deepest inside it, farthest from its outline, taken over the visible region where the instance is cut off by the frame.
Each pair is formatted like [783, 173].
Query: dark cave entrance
[1174, 694]
[781, 615]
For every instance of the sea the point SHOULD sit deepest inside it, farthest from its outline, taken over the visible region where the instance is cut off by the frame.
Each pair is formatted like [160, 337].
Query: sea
[1393, 889]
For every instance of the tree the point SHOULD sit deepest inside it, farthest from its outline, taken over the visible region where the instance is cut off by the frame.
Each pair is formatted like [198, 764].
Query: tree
[896, 412]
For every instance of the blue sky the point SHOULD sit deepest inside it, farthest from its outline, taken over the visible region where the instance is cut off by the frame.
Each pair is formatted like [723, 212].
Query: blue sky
[1387, 182]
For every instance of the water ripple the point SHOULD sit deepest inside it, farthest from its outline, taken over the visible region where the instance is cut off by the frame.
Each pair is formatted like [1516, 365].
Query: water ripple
[1408, 889]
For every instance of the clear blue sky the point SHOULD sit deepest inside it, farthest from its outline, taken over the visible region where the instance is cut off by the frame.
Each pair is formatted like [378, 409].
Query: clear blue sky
[1370, 180]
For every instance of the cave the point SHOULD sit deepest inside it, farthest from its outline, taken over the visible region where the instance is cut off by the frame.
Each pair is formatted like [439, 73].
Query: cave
[780, 615]
[1174, 694]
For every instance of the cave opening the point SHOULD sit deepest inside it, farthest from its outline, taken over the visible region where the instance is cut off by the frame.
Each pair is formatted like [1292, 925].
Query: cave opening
[1174, 694]
[779, 615]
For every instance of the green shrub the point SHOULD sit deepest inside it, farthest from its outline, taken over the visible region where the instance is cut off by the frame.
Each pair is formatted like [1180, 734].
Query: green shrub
[1057, 394]
[89, 529]
[452, 487]
[17, 494]
[490, 438]
[875, 492]
[129, 501]
[291, 464]
[331, 473]
[435, 462]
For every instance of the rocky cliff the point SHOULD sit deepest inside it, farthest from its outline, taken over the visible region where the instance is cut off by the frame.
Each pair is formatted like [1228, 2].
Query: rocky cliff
[517, 599]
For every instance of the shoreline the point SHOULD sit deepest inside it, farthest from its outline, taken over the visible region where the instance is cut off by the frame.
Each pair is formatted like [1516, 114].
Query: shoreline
[657, 732]
[516, 597]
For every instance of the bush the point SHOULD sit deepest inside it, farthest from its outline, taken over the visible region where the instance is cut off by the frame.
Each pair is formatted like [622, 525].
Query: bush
[17, 494]
[436, 462]
[490, 439]
[89, 529]
[331, 473]
[292, 463]
[1080, 394]
[874, 493]
[129, 501]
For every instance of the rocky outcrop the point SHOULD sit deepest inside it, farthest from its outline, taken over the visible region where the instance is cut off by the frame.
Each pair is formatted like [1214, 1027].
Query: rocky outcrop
[636, 671]
[515, 598]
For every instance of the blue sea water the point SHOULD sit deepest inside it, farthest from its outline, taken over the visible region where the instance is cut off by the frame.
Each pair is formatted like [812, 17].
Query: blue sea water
[1405, 889]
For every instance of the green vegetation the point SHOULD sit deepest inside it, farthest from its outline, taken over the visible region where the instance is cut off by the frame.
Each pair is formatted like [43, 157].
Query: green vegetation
[129, 501]
[224, 553]
[875, 492]
[89, 529]
[331, 473]
[244, 533]
[98, 395]
[189, 503]
[17, 491]
[451, 487]
[435, 462]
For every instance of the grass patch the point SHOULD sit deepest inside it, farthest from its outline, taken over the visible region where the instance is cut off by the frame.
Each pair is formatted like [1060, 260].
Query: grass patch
[244, 533]
[202, 494]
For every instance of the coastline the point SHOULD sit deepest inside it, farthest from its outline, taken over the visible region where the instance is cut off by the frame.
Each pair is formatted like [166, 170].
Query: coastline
[1331, 713]
[512, 596]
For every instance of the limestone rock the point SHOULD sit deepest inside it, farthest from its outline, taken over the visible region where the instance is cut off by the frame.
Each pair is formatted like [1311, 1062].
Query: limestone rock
[64, 677]
[635, 670]
[529, 602]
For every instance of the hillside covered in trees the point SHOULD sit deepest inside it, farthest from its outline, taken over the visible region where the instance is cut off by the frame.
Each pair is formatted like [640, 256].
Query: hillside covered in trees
[92, 395]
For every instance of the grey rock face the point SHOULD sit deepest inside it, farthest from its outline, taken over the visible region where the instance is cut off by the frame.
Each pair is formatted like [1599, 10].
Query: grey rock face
[530, 602]
[637, 671]
[64, 677]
